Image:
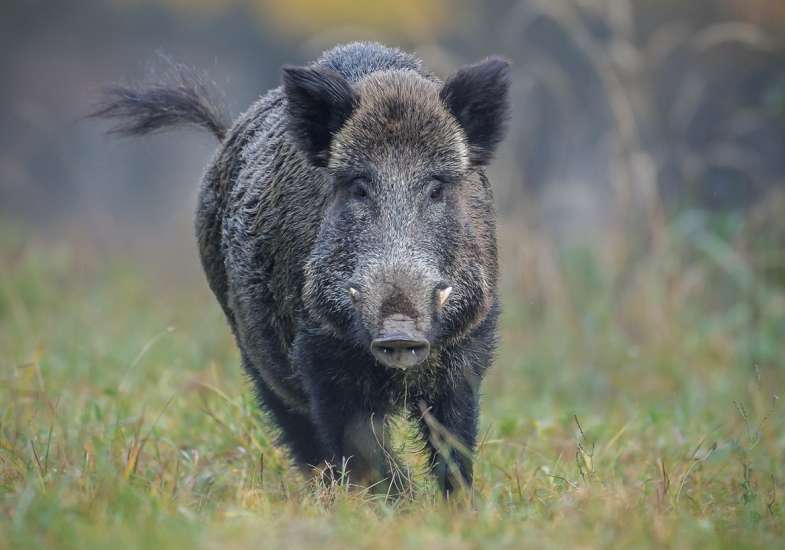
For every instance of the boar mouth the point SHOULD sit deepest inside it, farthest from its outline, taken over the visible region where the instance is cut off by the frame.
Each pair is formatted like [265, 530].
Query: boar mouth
[400, 353]
[400, 345]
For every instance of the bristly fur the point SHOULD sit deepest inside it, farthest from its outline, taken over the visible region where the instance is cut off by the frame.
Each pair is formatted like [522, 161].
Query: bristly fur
[184, 98]
[282, 235]
[477, 96]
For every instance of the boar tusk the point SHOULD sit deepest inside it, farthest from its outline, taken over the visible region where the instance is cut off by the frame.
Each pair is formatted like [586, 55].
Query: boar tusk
[353, 293]
[443, 294]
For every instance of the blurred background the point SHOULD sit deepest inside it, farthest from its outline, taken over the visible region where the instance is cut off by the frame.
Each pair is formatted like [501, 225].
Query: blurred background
[622, 108]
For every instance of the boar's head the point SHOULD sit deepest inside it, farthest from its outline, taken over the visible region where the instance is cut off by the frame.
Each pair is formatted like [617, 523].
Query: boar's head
[405, 258]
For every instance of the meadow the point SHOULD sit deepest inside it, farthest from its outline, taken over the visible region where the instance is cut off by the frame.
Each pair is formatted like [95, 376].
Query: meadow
[632, 404]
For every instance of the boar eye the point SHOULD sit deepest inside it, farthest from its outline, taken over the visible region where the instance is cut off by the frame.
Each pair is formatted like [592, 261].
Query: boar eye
[437, 191]
[358, 189]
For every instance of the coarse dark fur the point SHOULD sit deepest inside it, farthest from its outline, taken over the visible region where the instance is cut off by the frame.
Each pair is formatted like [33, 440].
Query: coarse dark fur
[341, 204]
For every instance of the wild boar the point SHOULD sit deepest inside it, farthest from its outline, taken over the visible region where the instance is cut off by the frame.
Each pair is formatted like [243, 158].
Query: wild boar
[346, 226]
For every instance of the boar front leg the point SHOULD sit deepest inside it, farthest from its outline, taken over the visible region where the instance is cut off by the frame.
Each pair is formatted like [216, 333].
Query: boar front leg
[448, 424]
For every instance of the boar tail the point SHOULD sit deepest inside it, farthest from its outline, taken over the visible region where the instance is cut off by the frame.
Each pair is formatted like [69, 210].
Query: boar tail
[186, 98]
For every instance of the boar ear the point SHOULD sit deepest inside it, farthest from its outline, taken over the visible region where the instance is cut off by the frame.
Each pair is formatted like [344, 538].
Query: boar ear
[477, 96]
[319, 102]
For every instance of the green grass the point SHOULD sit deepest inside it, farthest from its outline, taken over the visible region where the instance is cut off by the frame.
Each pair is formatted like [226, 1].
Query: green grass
[125, 419]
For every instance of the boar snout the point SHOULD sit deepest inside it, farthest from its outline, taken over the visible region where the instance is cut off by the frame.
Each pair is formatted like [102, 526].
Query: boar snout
[400, 345]
[397, 306]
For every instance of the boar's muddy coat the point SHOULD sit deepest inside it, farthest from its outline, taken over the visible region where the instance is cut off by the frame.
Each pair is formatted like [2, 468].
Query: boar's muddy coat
[346, 226]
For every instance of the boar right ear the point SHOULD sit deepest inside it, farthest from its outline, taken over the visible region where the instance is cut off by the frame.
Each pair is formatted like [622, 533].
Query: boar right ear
[319, 102]
[477, 97]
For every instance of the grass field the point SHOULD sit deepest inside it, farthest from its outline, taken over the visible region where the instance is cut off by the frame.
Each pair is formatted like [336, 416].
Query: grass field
[125, 419]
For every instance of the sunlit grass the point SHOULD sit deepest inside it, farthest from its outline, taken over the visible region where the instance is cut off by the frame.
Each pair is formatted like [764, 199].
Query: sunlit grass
[636, 418]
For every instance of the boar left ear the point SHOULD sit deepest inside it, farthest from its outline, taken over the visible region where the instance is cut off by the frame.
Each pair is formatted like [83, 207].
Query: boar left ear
[319, 101]
[477, 96]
